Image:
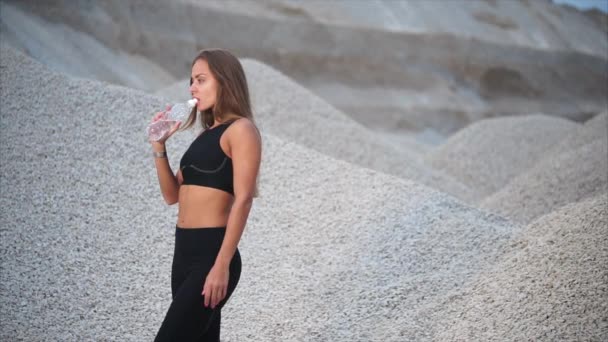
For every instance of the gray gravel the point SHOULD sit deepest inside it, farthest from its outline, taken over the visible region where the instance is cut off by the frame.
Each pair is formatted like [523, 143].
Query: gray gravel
[598, 124]
[87, 241]
[575, 169]
[552, 285]
[487, 154]
[593, 129]
[332, 251]
[353, 252]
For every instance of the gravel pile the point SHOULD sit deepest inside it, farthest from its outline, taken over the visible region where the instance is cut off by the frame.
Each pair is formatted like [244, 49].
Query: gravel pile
[332, 251]
[551, 286]
[575, 169]
[598, 124]
[342, 253]
[593, 129]
[352, 253]
[85, 236]
[333, 133]
[487, 154]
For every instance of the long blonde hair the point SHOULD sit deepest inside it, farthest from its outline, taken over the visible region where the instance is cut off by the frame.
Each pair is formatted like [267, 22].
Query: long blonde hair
[233, 99]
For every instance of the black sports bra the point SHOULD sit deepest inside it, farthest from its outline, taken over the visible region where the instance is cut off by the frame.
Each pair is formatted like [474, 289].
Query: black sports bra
[205, 163]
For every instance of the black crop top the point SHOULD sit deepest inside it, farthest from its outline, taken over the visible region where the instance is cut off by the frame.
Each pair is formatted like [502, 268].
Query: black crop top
[205, 163]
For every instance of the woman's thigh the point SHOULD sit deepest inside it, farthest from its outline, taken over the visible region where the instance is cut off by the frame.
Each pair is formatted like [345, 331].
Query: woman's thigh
[187, 317]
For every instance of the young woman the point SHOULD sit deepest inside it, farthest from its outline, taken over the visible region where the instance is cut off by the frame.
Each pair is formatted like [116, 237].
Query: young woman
[215, 187]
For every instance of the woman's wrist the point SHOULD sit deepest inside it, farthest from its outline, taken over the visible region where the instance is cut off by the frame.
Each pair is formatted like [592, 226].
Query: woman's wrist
[222, 263]
[158, 147]
[223, 260]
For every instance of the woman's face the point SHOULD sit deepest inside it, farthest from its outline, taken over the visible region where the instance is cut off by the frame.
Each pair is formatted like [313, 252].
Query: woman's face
[203, 85]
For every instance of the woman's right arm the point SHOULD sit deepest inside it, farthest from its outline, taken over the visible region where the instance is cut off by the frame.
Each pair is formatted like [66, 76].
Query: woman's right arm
[169, 184]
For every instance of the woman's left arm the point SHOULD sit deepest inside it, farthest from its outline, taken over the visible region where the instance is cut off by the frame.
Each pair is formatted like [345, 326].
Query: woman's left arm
[246, 149]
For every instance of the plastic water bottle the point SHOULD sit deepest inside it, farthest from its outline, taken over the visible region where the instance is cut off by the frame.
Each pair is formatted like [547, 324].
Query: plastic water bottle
[178, 112]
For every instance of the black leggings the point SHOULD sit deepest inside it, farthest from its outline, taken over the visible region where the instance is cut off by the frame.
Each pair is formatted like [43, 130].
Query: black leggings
[187, 318]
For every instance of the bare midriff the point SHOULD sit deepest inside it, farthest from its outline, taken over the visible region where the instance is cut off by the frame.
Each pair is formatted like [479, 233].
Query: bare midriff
[203, 207]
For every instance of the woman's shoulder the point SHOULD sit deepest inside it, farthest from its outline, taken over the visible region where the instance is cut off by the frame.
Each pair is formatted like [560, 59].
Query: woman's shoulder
[243, 129]
[243, 124]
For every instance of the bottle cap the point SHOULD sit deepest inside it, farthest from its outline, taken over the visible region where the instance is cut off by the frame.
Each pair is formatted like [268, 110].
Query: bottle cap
[192, 103]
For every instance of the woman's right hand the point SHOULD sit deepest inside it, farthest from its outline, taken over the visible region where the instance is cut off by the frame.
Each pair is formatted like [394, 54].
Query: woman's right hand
[159, 116]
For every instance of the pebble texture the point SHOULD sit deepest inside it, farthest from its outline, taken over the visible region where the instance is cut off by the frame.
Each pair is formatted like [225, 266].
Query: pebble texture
[552, 285]
[598, 124]
[332, 251]
[593, 129]
[575, 169]
[487, 154]
[86, 239]
[353, 252]
[87, 242]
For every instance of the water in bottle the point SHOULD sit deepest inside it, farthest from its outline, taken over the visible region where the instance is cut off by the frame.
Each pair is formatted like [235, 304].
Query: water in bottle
[178, 112]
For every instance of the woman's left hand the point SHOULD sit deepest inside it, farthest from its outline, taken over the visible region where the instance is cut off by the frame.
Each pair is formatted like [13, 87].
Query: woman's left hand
[216, 285]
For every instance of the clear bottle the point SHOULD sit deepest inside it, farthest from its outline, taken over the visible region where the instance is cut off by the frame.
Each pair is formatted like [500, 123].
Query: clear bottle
[178, 112]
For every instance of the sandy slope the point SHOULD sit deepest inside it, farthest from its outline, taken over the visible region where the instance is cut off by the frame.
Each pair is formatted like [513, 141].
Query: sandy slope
[489, 153]
[93, 261]
[576, 168]
[334, 250]
[551, 285]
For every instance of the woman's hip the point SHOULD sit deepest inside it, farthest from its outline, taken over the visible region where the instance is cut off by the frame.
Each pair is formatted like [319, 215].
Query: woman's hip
[196, 250]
